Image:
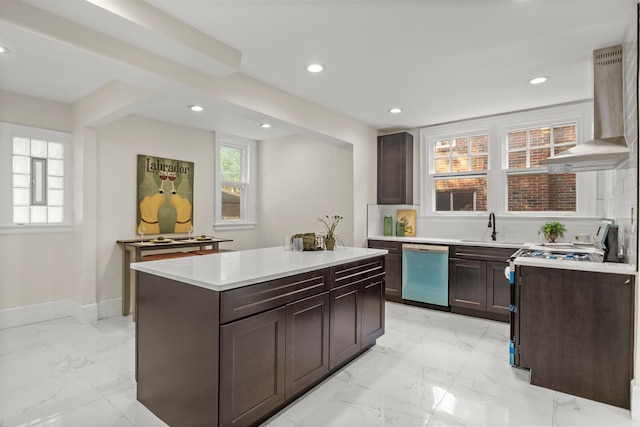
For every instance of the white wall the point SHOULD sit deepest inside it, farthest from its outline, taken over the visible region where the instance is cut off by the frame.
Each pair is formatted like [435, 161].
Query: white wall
[118, 146]
[300, 180]
[36, 268]
[621, 185]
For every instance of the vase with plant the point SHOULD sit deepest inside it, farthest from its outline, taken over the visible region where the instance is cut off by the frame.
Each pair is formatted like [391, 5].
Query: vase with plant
[552, 230]
[330, 222]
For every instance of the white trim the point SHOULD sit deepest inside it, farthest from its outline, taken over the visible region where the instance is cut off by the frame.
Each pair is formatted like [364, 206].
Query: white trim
[35, 229]
[110, 308]
[87, 313]
[635, 401]
[20, 316]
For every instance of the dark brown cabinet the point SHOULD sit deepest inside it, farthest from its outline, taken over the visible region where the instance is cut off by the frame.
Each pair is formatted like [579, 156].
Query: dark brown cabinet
[395, 169]
[477, 283]
[357, 309]
[346, 324]
[498, 292]
[307, 343]
[372, 311]
[467, 284]
[235, 357]
[272, 356]
[252, 367]
[576, 331]
[393, 265]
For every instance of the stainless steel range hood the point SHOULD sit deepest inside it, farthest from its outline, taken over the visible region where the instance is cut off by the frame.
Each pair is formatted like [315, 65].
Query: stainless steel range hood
[609, 147]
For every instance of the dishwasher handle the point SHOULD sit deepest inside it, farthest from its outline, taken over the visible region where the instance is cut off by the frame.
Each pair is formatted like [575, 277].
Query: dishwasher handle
[425, 248]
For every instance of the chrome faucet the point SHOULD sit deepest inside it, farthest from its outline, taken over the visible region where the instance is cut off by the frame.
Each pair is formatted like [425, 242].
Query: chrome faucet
[492, 224]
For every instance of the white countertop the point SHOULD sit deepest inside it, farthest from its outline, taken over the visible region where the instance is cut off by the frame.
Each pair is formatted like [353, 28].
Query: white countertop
[446, 241]
[230, 270]
[597, 267]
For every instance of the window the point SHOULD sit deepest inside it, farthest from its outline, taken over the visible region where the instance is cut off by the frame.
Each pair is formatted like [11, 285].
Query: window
[459, 173]
[499, 164]
[235, 183]
[38, 176]
[529, 186]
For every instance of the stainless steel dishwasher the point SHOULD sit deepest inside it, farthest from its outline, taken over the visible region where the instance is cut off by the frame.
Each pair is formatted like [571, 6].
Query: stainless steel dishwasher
[425, 274]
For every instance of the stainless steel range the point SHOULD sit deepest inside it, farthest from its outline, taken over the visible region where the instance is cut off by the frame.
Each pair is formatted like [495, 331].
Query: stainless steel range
[570, 254]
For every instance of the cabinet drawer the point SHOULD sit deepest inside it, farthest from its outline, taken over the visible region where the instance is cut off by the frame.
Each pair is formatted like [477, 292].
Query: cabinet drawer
[347, 274]
[481, 253]
[394, 247]
[252, 299]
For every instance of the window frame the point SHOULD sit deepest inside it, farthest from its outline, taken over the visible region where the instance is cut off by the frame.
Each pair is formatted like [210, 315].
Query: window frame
[427, 180]
[248, 183]
[497, 127]
[528, 170]
[7, 132]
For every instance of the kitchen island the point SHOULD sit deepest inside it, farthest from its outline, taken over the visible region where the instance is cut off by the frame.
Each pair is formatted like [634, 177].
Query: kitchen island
[230, 338]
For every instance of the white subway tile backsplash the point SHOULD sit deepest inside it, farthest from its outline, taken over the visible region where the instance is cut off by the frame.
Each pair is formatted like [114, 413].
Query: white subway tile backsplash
[621, 186]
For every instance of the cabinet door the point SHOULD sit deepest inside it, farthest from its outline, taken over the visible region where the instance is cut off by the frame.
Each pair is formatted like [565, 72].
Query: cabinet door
[393, 268]
[498, 288]
[372, 311]
[252, 367]
[395, 169]
[576, 332]
[467, 284]
[307, 356]
[393, 279]
[345, 326]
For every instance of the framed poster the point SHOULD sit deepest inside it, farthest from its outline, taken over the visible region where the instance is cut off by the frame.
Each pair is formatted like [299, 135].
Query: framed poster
[165, 196]
[408, 217]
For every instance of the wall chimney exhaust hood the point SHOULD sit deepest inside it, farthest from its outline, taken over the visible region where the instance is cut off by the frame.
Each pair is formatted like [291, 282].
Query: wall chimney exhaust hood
[609, 147]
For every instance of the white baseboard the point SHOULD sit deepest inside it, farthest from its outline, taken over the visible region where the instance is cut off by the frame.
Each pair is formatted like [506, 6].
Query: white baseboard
[635, 401]
[20, 316]
[110, 308]
[87, 313]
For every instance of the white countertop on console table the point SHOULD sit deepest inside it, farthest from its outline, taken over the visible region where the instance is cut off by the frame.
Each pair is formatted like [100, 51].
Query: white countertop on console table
[230, 270]
[450, 242]
[597, 267]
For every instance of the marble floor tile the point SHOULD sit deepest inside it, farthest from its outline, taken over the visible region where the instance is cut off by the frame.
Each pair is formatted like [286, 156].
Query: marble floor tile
[430, 369]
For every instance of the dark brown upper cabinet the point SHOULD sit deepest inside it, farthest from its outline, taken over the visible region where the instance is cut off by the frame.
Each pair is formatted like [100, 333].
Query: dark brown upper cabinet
[395, 169]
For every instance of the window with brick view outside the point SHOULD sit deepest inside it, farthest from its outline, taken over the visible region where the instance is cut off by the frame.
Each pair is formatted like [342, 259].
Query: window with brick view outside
[529, 186]
[460, 177]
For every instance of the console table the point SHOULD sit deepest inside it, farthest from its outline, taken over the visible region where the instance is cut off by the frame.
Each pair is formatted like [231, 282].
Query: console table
[132, 252]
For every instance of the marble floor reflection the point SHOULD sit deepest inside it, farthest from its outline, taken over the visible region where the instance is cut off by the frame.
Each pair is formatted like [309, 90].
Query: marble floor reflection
[429, 369]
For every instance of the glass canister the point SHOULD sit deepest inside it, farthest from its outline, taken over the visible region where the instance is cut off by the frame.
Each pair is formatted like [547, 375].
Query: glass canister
[388, 225]
[400, 229]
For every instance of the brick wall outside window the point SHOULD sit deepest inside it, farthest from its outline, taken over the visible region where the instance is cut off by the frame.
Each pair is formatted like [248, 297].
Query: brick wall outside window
[470, 155]
[528, 149]
[542, 192]
[477, 185]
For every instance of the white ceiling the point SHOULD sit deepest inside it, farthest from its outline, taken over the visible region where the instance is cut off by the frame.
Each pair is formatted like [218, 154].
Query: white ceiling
[440, 60]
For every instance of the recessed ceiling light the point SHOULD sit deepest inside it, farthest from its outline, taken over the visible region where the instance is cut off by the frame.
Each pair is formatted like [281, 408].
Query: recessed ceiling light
[196, 108]
[537, 80]
[315, 68]
[4, 49]
[265, 125]
[395, 110]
